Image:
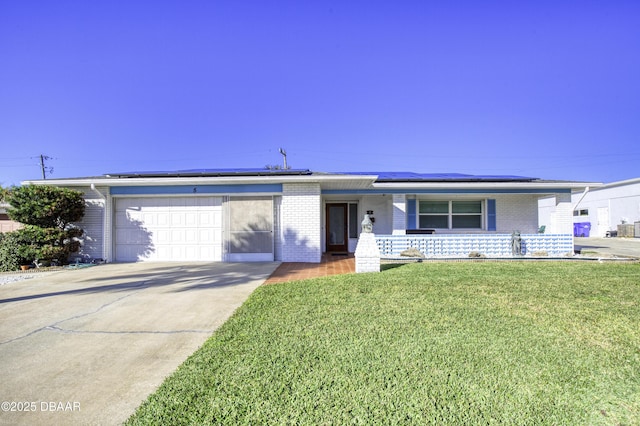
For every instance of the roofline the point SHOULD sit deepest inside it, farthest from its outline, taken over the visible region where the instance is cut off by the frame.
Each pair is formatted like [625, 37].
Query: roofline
[211, 173]
[620, 183]
[370, 181]
[539, 184]
[202, 180]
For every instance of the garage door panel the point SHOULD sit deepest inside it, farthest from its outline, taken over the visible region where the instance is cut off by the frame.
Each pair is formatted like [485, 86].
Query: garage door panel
[191, 236]
[217, 219]
[162, 236]
[177, 219]
[162, 219]
[191, 219]
[192, 251]
[204, 235]
[148, 218]
[123, 236]
[162, 253]
[177, 236]
[160, 229]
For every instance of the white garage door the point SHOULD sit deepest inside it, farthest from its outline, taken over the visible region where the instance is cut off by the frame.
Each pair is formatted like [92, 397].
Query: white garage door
[168, 229]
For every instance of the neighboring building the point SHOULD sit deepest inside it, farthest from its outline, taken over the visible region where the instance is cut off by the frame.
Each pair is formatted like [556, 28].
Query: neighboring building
[610, 205]
[6, 224]
[296, 215]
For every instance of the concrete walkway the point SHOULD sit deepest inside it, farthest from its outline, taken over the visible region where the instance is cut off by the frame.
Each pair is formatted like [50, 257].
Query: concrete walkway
[88, 346]
[330, 265]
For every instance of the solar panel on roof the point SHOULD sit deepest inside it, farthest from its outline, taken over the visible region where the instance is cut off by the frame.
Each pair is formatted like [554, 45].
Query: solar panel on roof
[213, 172]
[435, 177]
[382, 176]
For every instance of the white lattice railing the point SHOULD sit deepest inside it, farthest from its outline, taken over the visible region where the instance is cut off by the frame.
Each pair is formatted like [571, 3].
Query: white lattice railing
[460, 245]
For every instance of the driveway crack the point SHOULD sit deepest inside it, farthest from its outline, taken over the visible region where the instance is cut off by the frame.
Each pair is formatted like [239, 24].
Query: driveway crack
[86, 314]
[67, 331]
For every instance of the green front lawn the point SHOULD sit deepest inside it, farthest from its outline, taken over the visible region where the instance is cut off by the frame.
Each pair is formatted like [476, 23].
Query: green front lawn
[428, 343]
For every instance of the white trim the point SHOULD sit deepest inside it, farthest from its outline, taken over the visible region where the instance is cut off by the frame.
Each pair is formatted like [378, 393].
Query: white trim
[249, 257]
[489, 186]
[363, 181]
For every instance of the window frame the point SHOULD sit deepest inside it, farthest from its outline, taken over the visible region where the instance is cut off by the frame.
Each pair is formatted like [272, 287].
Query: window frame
[450, 214]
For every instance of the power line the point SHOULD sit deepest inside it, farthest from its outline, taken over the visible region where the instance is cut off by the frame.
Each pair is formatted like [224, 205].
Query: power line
[43, 167]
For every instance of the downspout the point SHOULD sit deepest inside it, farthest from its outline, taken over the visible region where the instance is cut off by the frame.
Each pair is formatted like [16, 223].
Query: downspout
[106, 224]
[93, 188]
[584, 194]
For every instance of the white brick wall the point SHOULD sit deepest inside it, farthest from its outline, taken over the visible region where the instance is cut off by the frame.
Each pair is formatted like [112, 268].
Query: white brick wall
[556, 214]
[300, 220]
[518, 212]
[399, 214]
[277, 228]
[564, 215]
[367, 254]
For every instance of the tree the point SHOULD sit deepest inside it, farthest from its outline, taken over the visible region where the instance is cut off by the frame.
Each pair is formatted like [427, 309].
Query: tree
[45, 206]
[48, 214]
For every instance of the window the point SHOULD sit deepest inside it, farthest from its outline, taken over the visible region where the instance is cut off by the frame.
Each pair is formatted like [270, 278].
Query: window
[353, 220]
[582, 212]
[450, 214]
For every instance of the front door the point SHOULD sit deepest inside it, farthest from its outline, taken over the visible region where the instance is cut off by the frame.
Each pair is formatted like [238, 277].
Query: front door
[337, 238]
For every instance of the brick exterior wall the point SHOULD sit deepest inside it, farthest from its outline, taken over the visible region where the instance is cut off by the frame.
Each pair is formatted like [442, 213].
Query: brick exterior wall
[399, 214]
[367, 254]
[564, 214]
[516, 213]
[277, 228]
[300, 219]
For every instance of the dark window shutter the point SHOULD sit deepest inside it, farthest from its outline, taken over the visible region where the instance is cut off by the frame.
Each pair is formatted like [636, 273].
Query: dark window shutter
[411, 213]
[491, 215]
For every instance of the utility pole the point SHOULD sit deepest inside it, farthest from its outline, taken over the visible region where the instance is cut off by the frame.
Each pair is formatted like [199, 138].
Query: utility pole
[42, 166]
[284, 159]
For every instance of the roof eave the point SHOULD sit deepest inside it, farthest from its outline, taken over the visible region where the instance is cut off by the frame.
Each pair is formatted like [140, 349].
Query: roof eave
[491, 185]
[332, 180]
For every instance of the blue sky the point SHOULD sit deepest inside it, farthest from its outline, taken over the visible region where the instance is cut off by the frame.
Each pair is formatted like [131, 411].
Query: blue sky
[541, 89]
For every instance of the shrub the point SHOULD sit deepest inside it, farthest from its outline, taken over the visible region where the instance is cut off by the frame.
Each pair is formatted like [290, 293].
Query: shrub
[11, 252]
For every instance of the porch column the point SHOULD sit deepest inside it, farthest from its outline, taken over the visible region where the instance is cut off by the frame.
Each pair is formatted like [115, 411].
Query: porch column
[300, 222]
[399, 214]
[367, 252]
[564, 214]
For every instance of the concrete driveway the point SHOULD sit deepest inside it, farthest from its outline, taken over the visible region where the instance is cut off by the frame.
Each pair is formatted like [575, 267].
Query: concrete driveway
[624, 247]
[87, 346]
